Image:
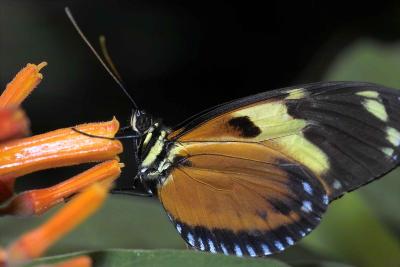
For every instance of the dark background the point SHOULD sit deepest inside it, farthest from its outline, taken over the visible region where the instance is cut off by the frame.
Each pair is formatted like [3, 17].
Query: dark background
[177, 58]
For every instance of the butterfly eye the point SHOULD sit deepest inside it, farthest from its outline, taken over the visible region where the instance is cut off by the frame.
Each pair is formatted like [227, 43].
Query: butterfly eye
[141, 121]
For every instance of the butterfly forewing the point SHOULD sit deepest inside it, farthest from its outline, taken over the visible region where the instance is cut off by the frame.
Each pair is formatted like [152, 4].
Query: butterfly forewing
[255, 175]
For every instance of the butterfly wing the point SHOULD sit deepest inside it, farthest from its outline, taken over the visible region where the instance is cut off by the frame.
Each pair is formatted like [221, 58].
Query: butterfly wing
[345, 132]
[283, 154]
[243, 199]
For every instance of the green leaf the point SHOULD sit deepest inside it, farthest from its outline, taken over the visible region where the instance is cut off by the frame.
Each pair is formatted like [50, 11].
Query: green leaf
[321, 264]
[367, 60]
[165, 258]
[123, 222]
[351, 232]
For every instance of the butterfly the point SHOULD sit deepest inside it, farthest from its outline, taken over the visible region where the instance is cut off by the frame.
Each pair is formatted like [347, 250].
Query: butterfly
[254, 176]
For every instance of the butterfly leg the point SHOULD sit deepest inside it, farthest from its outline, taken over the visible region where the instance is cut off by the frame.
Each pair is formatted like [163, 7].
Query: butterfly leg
[131, 192]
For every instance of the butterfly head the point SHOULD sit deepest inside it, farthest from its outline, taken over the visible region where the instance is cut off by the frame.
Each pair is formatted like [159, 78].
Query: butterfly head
[141, 122]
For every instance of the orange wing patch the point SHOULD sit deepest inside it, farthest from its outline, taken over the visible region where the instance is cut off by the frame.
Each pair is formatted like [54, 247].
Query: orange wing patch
[241, 198]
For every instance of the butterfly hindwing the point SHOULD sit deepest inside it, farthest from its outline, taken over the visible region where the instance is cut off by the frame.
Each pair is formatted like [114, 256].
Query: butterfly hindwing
[253, 176]
[253, 203]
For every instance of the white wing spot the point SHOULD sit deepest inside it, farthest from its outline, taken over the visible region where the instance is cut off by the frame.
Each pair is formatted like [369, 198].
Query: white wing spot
[302, 233]
[279, 245]
[393, 136]
[178, 228]
[325, 200]
[265, 249]
[337, 185]
[289, 240]
[388, 151]
[307, 187]
[190, 239]
[251, 251]
[211, 245]
[224, 249]
[376, 108]
[296, 93]
[307, 206]
[238, 251]
[202, 247]
[371, 94]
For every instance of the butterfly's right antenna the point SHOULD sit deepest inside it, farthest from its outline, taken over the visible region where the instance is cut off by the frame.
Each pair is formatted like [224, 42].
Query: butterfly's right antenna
[116, 79]
[107, 57]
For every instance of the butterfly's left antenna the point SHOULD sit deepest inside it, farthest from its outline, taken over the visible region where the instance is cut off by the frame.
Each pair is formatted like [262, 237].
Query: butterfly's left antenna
[116, 79]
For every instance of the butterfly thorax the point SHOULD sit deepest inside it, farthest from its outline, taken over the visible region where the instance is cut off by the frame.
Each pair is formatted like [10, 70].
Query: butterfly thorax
[155, 155]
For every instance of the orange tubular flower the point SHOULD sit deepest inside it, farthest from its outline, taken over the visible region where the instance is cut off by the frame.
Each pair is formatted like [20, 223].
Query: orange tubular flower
[83, 261]
[34, 243]
[3, 257]
[91, 142]
[22, 85]
[58, 148]
[13, 123]
[6, 189]
[36, 202]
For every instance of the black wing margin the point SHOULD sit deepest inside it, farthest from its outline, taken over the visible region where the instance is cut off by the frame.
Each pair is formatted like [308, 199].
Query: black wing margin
[357, 125]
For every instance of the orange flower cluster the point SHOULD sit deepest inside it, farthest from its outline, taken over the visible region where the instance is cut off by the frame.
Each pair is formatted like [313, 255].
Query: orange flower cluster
[63, 147]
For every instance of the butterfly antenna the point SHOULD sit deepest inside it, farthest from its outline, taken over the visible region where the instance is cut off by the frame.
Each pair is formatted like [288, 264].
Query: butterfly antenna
[114, 76]
[107, 57]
